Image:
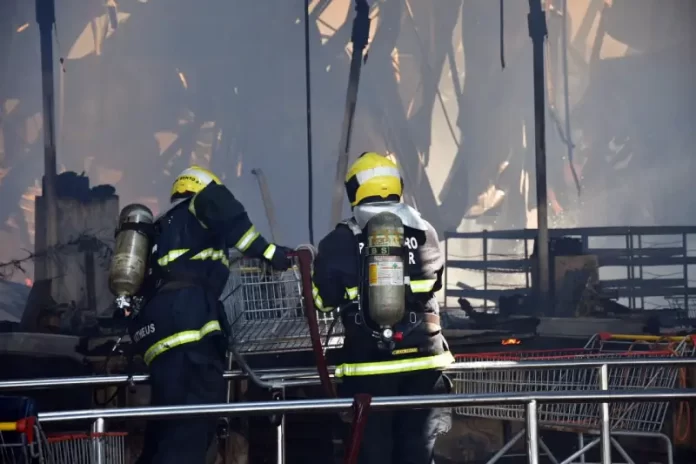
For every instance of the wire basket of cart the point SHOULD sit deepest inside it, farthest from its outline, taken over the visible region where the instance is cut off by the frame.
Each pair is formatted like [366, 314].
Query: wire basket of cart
[267, 311]
[639, 418]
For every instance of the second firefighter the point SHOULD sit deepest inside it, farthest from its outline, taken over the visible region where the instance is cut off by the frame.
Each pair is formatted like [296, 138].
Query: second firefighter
[412, 361]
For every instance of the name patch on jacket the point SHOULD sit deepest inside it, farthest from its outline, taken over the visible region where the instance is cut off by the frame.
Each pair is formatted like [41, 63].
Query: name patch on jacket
[412, 245]
[143, 332]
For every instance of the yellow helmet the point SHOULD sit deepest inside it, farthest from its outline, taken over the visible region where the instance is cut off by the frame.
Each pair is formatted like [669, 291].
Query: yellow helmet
[373, 177]
[191, 181]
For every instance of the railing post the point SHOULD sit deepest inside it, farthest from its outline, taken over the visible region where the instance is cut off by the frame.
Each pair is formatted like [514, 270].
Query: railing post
[532, 433]
[444, 277]
[605, 430]
[98, 449]
[485, 270]
[280, 430]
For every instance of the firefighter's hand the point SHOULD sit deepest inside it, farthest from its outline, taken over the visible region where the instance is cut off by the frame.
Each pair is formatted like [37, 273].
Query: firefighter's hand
[280, 260]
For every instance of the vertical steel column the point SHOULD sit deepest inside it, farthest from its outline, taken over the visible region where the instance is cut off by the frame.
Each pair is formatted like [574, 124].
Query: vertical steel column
[359, 37]
[532, 433]
[685, 247]
[538, 32]
[308, 99]
[46, 18]
[605, 430]
[98, 448]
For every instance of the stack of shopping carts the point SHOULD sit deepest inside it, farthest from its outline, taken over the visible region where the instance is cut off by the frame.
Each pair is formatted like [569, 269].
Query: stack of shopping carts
[23, 441]
[637, 419]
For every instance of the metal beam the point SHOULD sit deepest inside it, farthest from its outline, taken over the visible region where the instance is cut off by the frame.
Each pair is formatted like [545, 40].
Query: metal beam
[360, 35]
[46, 18]
[538, 33]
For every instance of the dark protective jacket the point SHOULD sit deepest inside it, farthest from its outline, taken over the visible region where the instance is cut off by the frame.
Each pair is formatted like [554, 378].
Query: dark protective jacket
[190, 253]
[419, 343]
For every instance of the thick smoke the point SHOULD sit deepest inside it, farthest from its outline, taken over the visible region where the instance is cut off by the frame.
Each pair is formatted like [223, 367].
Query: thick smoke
[222, 84]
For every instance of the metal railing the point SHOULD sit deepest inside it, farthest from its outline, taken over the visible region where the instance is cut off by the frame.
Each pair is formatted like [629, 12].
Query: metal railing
[636, 256]
[388, 403]
[308, 376]
[291, 377]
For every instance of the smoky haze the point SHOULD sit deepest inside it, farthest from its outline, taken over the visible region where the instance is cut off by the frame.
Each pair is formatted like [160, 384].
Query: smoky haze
[222, 84]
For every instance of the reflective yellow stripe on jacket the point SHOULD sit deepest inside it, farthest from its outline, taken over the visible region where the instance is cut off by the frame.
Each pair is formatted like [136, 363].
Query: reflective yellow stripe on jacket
[395, 367]
[178, 339]
[318, 301]
[422, 286]
[247, 239]
[208, 253]
[269, 252]
[215, 255]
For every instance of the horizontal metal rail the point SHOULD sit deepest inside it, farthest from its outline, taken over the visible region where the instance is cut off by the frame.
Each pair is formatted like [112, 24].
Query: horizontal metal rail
[98, 416]
[306, 376]
[531, 400]
[385, 403]
[582, 231]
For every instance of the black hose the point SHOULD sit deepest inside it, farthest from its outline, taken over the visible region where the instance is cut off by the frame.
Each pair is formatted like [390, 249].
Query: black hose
[310, 177]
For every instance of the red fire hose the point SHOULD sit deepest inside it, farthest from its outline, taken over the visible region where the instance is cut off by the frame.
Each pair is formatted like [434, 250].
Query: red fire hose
[361, 407]
[361, 403]
[305, 257]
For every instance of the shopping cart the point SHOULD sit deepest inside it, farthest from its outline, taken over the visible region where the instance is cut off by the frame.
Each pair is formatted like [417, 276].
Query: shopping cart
[272, 312]
[636, 419]
[22, 441]
[267, 311]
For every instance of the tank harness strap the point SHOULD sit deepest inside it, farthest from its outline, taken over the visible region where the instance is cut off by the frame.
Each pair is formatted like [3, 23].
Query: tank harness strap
[142, 227]
[352, 225]
[429, 322]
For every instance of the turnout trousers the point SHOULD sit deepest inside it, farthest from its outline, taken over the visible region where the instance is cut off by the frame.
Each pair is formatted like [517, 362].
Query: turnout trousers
[187, 374]
[183, 376]
[405, 436]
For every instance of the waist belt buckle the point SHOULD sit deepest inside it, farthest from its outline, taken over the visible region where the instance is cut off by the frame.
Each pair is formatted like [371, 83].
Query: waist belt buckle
[413, 318]
[358, 319]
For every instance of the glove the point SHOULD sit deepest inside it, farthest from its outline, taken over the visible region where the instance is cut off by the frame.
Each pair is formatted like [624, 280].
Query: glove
[280, 260]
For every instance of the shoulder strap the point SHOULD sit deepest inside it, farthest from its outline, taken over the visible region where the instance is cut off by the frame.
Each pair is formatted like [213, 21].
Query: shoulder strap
[352, 225]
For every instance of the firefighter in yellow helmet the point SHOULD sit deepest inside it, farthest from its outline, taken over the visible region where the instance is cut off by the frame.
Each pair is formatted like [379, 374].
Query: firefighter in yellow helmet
[182, 330]
[411, 363]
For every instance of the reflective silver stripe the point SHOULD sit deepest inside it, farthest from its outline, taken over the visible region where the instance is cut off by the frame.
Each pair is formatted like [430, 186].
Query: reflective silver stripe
[353, 226]
[422, 286]
[192, 210]
[247, 239]
[211, 253]
[270, 251]
[171, 256]
[178, 339]
[394, 367]
[368, 174]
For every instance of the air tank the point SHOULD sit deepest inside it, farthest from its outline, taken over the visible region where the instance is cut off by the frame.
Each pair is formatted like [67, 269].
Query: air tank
[130, 259]
[385, 267]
